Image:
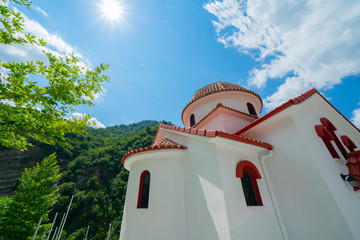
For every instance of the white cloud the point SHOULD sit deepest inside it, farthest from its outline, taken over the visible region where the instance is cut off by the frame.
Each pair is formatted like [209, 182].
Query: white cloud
[40, 10]
[356, 117]
[98, 97]
[55, 45]
[305, 43]
[97, 123]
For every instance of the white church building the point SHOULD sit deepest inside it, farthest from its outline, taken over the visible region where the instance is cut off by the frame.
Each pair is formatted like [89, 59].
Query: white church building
[230, 174]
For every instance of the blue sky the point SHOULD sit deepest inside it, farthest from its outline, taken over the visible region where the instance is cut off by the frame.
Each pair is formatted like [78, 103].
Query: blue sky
[161, 51]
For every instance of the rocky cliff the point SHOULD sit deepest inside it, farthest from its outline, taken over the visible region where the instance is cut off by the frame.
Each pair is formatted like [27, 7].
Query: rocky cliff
[12, 165]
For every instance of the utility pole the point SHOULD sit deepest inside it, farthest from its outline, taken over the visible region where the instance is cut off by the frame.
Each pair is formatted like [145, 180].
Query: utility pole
[87, 231]
[37, 228]
[67, 212]
[52, 225]
[109, 232]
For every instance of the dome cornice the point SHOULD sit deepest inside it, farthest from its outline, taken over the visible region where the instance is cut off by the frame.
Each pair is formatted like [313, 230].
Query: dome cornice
[216, 88]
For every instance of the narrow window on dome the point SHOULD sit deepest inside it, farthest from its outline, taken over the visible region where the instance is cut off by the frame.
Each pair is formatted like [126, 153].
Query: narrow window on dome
[192, 120]
[248, 173]
[251, 109]
[144, 188]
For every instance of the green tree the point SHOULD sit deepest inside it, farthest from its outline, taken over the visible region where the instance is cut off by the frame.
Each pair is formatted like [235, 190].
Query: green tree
[35, 195]
[30, 110]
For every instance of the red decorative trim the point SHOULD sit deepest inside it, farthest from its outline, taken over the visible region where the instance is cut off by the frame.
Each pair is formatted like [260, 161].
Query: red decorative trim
[162, 144]
[327, 138]
[219, 105]
[254, 174]
[141, 184]
[348, 143]
[353, 164]
[331, 128]
[295, 101]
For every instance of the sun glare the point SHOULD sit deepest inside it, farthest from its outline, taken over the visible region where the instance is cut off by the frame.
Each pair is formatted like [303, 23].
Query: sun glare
[111, 10]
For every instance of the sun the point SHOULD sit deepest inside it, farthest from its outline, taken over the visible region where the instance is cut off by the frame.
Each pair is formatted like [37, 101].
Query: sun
[111, 10]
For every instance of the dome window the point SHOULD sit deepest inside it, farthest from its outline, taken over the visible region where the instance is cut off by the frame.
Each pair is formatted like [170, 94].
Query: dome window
[251, 109]
[192, 120]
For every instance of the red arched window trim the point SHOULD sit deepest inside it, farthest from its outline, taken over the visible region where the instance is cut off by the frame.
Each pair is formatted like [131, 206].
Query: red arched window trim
[331, 128]
[253, 174]
[327, 138]
[348, 143]
[141, 185]
[249, 168]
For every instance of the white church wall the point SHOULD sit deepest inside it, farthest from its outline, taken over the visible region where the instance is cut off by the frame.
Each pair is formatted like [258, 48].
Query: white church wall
[205, 211]
[306, 203]
[346, 199]
[164, 217]
[226, 122]
[243, 218]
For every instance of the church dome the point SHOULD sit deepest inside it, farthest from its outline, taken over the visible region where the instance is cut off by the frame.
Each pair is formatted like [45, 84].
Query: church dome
[226, 95]
[219, 87]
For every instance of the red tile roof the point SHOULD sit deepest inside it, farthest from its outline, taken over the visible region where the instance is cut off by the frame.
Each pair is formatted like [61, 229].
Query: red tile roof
[215, 133]
[299, 99]
[219, 105]
[162, 144]
[218, 87]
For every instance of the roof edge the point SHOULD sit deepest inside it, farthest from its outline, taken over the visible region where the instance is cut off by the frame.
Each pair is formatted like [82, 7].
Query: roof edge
[295, 101]
[152, 148]
[215, 133]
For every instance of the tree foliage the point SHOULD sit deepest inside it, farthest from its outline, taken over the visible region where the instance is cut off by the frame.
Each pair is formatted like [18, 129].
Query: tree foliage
[35, 96]
[33, 199]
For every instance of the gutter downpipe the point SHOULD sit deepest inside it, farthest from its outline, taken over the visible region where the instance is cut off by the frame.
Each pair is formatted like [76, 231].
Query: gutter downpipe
[272, 194]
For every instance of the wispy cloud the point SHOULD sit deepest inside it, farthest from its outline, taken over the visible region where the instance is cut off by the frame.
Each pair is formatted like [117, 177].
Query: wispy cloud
[97, 123]
[307, 43]
[356, 117]
[40, 10]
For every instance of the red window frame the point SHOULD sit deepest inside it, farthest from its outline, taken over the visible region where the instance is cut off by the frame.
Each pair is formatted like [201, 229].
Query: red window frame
[254, 174]
[141, 185]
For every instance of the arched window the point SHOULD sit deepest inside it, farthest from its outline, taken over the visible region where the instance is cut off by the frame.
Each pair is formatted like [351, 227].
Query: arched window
[251, 109]
[248, 174]
[144, 188]
[192, 120]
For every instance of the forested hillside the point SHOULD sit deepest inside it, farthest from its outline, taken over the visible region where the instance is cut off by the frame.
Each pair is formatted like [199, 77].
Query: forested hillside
[92, 171]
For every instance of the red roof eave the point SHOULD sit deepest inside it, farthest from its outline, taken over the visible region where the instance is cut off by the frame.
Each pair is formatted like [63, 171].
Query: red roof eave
[299, 99]
[215, 133]
[152, 148]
